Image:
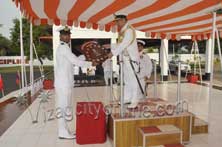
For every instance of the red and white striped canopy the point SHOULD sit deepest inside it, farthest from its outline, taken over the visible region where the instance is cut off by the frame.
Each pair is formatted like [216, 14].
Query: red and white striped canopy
[158, 18]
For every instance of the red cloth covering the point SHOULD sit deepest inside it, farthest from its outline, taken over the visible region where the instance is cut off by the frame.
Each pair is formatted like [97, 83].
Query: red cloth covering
[90, 123]
[48, 84]
[174, 145]
[150, 129]
[192, 78]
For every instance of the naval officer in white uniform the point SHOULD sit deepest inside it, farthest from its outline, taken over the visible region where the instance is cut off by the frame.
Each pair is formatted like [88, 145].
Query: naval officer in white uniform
[107, 68]
[146, 68]
[64, 82]
[127, 45]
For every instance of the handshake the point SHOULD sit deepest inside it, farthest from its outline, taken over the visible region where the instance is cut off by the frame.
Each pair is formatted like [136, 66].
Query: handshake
[95, 52]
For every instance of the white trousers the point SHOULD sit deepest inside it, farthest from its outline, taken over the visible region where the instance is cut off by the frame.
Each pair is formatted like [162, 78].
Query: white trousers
[63, 105]
[107, 76]
[143, 84]
[131, 85]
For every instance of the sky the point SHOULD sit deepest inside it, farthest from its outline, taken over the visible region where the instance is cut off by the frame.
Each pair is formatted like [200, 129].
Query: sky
[8, 13]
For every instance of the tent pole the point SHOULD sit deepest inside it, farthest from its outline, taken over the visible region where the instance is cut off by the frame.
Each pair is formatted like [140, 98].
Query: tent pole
[178, 108]
[121, 87]
[212, 65]
[111, 81]
[21, 51]
[164, 56]
[195, 62]
[166, 53]
[155, 80]
[31, 60]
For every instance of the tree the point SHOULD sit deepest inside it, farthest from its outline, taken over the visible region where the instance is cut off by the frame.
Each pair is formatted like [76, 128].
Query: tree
[43, 49]
[4, 45]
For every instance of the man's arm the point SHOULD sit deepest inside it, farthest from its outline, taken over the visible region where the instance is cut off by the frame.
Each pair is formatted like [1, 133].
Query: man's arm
[81, 57]
[74, 59]
[117, 49]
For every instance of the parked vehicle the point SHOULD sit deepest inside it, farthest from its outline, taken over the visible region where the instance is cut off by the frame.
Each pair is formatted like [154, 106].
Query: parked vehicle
[173, 66]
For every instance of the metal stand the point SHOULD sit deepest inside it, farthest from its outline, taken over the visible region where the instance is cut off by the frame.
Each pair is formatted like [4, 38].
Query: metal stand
[178, 108]
[121, 87]
[195, 52]
[44, 98]
[22, 52]
[155, 79]
[41, 69]
[111, 81]
[31, 61]
[212, 64]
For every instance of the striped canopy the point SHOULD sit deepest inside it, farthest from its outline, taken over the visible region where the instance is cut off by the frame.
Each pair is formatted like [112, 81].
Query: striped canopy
[158, 18]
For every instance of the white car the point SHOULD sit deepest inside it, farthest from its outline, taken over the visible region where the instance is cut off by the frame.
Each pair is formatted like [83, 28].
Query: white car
[173, 65]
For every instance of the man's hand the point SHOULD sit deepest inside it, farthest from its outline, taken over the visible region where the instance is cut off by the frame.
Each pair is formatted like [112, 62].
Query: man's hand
[94, 63]
[146, 78]
[110, 55]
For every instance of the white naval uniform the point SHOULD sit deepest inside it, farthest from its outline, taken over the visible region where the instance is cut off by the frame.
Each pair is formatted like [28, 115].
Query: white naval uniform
[128, 45]
[64, 82]
[146, 68]
[107, 70]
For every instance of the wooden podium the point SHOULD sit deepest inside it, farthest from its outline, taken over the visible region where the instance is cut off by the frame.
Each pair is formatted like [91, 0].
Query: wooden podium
[123, 131]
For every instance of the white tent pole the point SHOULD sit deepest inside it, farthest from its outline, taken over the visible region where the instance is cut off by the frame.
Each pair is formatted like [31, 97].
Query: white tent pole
[155, 79]
[178, 109]
[22, 51]
[195, 57]
[111, 80]
[219, 47]
[25, 75]
[166, 56]
[212, 65]
[31, 60]
[121, 87]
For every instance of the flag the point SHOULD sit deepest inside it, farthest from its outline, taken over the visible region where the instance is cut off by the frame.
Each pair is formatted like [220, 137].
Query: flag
[18, 78]
[1, 83]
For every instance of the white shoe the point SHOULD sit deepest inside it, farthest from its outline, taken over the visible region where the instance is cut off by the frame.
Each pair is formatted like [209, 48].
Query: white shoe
[132, 105]
[67, 136]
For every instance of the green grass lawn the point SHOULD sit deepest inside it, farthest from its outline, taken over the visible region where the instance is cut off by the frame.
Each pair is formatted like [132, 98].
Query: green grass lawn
[47, 69]
[16, 68]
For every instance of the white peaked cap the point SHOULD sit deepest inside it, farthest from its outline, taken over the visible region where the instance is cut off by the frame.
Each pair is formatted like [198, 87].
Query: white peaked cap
[141, 41]
[63, 27]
